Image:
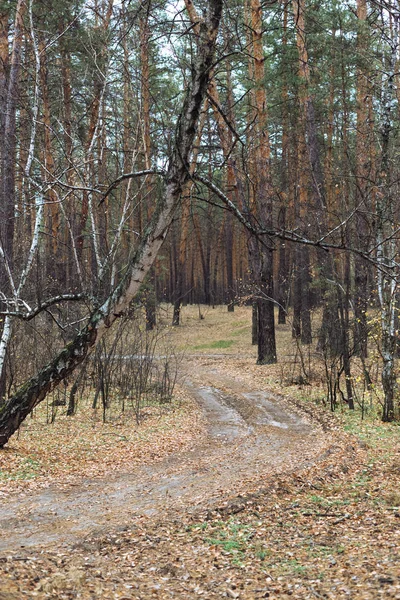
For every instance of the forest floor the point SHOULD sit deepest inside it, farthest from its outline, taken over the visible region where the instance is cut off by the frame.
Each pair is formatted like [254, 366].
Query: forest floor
[233, 491]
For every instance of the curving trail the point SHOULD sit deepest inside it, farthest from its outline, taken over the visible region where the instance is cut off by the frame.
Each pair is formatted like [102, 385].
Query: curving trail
[251, 435]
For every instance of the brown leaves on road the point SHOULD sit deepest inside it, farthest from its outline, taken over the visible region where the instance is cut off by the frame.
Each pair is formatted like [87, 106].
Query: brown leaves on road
[325, 533]
[330, 530]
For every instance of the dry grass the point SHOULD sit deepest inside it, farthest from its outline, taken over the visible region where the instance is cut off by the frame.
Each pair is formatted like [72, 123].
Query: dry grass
[206, 330]
[300, 370]
[84, 446]
[203, 328]
[331, 531]
[70, 447]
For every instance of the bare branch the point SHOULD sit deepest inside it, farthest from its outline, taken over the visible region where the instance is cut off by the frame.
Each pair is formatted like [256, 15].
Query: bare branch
[134, 175]
[44, 306]
[292, 235]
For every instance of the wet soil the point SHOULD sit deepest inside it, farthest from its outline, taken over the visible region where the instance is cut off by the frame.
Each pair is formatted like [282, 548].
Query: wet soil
[251, 435]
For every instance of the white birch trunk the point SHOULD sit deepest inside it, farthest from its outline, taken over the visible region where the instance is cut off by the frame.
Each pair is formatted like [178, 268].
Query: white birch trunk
[19, 406]
[387, 275]
[7, 326]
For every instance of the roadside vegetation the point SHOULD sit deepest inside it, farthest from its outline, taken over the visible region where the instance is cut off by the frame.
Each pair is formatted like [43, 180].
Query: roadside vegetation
[331, 530]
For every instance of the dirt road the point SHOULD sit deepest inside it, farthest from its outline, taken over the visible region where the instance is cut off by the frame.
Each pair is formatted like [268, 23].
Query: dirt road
[251, 435]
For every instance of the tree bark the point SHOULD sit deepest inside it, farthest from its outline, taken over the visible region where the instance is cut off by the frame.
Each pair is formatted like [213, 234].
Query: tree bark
[283, 271]
[52, 217]
[9, 79]
[387, 276]
[261, 257]
[364, 176]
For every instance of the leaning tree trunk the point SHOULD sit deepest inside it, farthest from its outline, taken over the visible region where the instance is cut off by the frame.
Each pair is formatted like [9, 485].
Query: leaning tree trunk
[150, 299]
[19, 406]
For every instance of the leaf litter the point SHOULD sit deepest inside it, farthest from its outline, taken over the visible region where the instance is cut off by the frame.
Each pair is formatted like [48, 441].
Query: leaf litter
[326, 528]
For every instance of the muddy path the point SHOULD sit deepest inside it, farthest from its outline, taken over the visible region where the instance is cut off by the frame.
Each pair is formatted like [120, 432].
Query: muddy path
[251, 435]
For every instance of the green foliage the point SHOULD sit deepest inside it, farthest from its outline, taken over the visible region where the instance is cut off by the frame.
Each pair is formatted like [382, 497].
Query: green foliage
[231, 536]
[29, 469]
[218, 344]
[369, 429]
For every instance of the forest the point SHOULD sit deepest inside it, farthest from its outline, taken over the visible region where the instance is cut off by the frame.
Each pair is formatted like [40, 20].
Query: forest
[199, 299]
[260, 142]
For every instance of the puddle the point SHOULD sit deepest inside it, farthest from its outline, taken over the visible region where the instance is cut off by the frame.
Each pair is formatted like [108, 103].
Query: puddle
[237, 449]
[269, 412]
[274, 423]
[225, 422]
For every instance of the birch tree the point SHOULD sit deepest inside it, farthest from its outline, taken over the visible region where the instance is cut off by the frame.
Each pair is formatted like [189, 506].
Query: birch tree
[175, 175]
[10, 65]
[387, 273]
